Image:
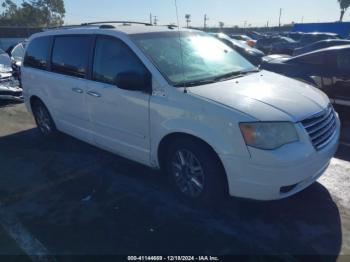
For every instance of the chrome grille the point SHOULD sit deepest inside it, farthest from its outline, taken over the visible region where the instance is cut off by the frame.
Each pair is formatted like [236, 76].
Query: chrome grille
[321, 127]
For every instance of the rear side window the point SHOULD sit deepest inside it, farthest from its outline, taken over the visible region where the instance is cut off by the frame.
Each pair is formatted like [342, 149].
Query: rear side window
[70, 55]
[37, 53]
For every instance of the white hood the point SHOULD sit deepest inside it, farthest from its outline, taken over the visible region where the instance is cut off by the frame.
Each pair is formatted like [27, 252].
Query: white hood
[266, 96]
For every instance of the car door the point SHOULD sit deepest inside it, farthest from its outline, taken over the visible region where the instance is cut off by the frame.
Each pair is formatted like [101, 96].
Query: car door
[68, 84]
[119, 114]
[342, 82]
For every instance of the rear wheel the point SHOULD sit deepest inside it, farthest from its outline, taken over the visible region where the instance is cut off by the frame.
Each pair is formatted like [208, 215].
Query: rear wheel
[43, 119]
[195, 172]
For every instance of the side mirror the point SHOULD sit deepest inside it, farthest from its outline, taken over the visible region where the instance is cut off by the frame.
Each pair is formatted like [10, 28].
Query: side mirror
[134, 81]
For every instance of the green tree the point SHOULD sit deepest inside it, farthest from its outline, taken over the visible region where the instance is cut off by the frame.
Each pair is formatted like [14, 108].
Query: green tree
[344, 5]
[10, 9]
[38, 13]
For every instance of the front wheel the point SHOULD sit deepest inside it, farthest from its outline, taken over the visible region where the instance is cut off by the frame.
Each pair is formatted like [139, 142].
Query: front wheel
[195, 172]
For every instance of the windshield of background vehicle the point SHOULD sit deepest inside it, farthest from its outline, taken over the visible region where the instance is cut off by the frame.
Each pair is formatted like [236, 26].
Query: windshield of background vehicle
[203, 57]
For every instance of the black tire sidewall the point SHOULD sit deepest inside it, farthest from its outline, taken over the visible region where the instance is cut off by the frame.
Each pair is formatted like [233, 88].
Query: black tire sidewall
[53, 130]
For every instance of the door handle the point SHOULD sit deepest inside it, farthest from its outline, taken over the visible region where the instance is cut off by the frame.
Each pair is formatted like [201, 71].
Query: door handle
[94, 94]
[78, 90]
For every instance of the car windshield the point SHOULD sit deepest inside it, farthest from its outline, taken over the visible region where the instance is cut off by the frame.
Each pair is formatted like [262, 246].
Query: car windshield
[191, 57]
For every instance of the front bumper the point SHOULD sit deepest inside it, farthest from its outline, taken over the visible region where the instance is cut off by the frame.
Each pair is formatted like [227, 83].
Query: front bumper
[277, 174]
[10, 90]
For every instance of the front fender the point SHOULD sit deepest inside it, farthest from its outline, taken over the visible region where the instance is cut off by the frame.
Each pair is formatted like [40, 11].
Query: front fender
[226, 140]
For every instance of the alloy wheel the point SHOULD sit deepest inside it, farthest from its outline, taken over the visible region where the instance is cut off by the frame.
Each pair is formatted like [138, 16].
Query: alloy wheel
[188, 173]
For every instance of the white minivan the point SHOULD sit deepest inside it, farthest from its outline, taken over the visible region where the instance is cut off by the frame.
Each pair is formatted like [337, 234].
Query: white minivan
[182, 101]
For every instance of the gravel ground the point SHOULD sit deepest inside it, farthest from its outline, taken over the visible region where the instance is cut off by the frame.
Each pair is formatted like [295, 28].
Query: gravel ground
[76, 199]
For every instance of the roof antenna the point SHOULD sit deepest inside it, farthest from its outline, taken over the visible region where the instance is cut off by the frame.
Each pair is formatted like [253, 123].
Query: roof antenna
[181, 49]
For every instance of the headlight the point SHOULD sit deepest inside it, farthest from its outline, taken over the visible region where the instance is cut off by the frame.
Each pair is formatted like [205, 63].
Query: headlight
[268, 135]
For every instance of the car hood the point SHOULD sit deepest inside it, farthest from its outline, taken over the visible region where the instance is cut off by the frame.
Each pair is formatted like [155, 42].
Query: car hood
[266, 96]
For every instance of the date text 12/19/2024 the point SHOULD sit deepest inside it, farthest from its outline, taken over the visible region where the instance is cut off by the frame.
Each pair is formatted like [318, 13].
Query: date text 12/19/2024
[173, 258]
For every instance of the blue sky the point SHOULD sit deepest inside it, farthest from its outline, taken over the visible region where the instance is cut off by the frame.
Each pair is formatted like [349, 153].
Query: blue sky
[231, 12]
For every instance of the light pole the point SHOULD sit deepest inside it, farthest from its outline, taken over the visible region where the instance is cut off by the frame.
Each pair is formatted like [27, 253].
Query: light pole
[279, 20]
[206, 18]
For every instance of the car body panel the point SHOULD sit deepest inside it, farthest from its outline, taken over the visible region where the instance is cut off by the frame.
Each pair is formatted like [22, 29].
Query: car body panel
[125, 132]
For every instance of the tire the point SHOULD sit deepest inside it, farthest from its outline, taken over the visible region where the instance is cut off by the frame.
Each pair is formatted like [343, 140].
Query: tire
[200, 179]
[43, 119]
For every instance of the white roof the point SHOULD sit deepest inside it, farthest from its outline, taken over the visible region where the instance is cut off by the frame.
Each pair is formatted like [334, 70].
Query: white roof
[128, 29]
[139, 29]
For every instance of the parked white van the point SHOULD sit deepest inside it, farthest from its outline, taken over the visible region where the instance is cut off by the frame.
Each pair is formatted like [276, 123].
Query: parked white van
[182, 101]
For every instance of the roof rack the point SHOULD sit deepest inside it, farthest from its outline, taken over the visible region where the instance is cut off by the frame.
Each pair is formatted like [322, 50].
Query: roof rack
[62, 27]
[116, 22]
[102, 25]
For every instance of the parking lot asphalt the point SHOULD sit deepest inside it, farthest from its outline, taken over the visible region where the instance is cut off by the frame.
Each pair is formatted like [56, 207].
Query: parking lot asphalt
[66, 197]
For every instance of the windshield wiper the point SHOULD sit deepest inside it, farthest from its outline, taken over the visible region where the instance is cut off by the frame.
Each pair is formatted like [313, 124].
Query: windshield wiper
[235, 74]
[216, 79]
[196, 83]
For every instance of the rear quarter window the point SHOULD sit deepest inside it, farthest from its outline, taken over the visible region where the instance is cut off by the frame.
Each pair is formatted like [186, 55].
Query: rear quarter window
[37, 53]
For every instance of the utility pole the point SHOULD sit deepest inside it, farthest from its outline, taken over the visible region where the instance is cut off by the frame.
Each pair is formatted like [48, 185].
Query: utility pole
[155, 20]
[206, 18]
[279, 21]
[302, 19]
[150, 18]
